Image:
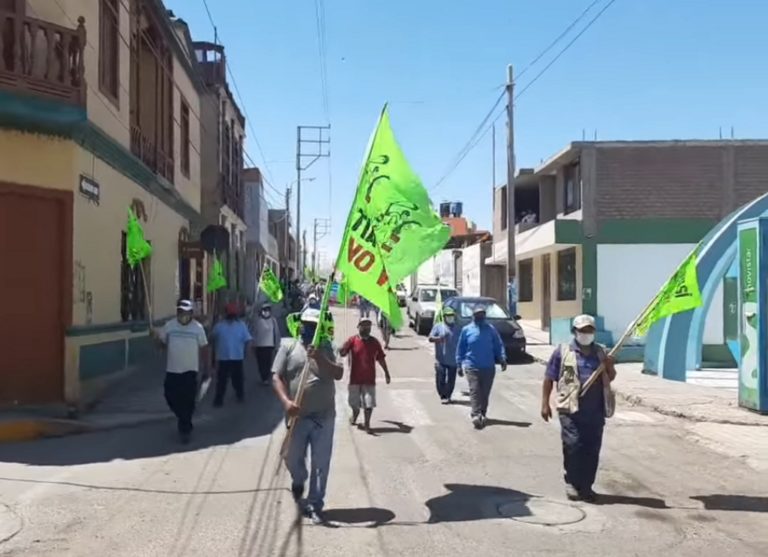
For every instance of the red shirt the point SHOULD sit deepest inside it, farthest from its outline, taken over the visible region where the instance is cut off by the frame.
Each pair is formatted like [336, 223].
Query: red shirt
[363, 356]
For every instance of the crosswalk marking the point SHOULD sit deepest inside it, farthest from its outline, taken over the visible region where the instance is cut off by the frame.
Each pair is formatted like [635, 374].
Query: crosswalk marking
[410, 409]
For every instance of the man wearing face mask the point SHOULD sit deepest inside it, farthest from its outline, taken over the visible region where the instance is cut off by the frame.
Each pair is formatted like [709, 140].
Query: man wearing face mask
[187, 352]
[266, 339]
[230, 337]
[582, 418]
[445, 337]
[314, 426]
[364, 351]
[478, 351]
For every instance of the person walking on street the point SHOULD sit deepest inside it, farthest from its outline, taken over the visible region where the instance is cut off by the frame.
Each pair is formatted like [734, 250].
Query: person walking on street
[315, 415]
[266, 340]
[364, 351]
[478, 351]
[231, 338]
[582, 417]
[365, 308]
[445, 337]
[186, 355]
[312, 303]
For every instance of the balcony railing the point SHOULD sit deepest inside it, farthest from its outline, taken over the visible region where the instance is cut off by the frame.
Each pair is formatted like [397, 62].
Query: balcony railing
[151, 155]
[41, 58]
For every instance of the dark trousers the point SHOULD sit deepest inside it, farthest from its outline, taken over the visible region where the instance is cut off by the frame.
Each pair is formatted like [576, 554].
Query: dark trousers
[480, 384]
[229, 370]
[181, 396]
[264, 357]
[582, 439]
[445, 380]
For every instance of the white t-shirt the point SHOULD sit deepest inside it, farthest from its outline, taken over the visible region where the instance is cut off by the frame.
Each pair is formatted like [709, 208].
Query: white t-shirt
[183, 343]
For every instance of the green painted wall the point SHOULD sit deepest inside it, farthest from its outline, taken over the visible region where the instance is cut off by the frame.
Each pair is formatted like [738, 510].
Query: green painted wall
[653, 231]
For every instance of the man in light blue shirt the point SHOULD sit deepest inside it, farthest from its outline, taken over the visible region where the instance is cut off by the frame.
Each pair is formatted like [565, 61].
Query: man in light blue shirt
[230, 338]
[478, 351]
[445, 337]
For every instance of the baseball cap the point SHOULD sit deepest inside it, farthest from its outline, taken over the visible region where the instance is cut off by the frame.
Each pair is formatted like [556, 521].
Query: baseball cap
[478, 309]
[582, 321]
[448, 311]
[311, 315]
[364, 320]
[231, 309]
[185, 305]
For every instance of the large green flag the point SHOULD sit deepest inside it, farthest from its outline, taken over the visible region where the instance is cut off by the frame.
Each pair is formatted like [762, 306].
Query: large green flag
[392, 227]
[680, 293]
[293, 323]
[216, 278]
[136, 247]
[270, 285]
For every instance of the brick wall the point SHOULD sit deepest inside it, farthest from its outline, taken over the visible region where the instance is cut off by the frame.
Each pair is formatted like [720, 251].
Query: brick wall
[683, 181]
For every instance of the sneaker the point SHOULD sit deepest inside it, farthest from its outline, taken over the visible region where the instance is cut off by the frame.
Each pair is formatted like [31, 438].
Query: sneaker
[477, 421]
[571, 493]
[316, 517]
[588, 495]
[445, 400]
[483, 420]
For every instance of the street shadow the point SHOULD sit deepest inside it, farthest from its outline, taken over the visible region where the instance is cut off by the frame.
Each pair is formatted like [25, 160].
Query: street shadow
[258, 416]
[466, 503]
[744, 503]
[494, 421]
[461, 403]
[398, 427]
[402, 348]
[371, 517]
[648, 502]
[522, 359]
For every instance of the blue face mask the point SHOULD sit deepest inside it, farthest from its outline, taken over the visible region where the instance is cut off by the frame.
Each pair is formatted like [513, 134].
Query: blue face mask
[308, 332]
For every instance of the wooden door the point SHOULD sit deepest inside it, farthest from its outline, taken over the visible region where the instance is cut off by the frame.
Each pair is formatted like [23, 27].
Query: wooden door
[35, 232]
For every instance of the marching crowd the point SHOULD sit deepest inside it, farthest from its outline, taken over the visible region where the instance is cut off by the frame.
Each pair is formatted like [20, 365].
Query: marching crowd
[473, 351]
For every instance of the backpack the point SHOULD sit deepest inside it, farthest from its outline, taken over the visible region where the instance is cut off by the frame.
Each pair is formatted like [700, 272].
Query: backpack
[569, 385]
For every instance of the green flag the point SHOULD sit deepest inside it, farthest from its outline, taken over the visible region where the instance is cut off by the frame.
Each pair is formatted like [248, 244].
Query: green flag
[270, 285]
[342, 292]
[136, 247]
[216, 278]
[680, 293]
[293, 323]
[392, 228]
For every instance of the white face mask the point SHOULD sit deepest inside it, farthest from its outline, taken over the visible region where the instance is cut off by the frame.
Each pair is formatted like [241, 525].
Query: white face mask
[450, 320]
[585, 339]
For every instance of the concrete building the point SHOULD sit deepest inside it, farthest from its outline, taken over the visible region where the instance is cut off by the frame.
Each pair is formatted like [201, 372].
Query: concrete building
[261, 245]
[614, 219]
[223, 198]
[96, 115]
[280, 228]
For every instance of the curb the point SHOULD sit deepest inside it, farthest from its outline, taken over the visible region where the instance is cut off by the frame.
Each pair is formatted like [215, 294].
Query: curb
[638, 400]
[14, 431]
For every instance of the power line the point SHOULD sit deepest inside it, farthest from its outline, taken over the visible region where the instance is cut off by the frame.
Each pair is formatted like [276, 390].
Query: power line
[558, 39]
[323, 54]
[565, 49]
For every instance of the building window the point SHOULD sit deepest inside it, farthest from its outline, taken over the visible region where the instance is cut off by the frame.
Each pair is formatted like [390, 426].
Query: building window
[503, 207]
[184, 138]
[133, 301]
[572, 189]
[109, 49]
[566, 274]
[525, 281]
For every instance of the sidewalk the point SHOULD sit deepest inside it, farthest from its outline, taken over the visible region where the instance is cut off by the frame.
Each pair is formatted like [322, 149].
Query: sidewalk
[696, 403]
[135, 399]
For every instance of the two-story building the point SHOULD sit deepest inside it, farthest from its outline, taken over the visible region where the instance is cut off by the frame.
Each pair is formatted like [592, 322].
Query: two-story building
[223, 124]
[261, 244]
[609, 221]
[97, 105]
[280, 227]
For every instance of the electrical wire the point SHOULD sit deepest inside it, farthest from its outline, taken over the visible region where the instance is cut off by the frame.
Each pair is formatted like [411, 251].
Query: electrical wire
[322, 49]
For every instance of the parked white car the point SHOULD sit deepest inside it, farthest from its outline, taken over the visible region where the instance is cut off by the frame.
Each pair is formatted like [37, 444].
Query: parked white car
[402, 295]
[422, 304]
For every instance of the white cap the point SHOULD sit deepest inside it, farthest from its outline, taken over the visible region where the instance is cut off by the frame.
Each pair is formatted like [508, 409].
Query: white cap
[582, 321]
[311, 315]
[185, 305]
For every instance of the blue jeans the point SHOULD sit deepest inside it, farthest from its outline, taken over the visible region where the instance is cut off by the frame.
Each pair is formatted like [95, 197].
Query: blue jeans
[582, 438]
[445, 380]
[317, 433]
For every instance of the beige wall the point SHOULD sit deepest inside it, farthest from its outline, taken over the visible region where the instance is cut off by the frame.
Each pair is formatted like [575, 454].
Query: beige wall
[566, 308]
[189, 188]
[21, 154]
[97, 238]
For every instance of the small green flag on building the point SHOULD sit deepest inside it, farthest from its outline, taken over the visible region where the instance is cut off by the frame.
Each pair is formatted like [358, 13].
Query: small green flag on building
[680, 293]
[216, 278]
[392, 228]
[269, 284]
[136, 247]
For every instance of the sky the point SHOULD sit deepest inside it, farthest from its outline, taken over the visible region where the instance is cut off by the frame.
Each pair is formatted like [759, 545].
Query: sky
[645, 69]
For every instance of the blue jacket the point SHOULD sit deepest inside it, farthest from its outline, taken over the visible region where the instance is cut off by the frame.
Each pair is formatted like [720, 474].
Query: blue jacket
[480, 347]
[445, 352]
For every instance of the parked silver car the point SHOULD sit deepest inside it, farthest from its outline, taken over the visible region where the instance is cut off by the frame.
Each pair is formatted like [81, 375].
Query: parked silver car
[422, 304]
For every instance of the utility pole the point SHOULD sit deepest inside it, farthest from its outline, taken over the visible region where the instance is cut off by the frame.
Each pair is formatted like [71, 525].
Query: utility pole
[286, 230]
[511, 255]
[318, 144]
[324, 226]
[304, 251]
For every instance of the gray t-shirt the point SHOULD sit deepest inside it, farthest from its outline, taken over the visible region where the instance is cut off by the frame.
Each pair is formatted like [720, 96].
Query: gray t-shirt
[320, 391]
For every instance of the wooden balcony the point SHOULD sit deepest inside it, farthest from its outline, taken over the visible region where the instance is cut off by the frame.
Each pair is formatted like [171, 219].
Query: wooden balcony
[42, 59]
[231, 195]
[151, 155]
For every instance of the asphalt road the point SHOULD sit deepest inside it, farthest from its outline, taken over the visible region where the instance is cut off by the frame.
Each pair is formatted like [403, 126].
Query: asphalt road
[426, 485]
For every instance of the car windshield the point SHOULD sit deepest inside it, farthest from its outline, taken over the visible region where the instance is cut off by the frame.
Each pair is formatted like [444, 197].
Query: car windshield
[430, 294]
[492, 309]
[401, 288]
